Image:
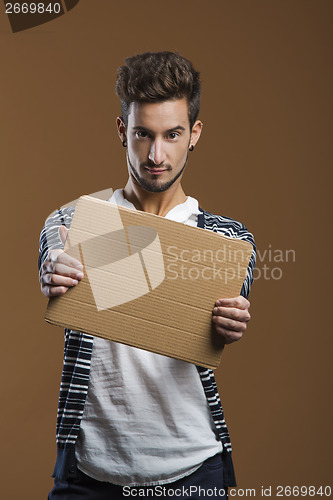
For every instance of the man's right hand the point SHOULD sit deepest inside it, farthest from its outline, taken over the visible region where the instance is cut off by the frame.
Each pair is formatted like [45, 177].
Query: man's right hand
[59, 270]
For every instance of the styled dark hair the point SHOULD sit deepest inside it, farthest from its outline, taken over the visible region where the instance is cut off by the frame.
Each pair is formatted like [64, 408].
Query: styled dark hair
[158, 77]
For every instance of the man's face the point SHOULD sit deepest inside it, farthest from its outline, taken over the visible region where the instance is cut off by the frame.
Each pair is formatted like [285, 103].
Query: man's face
[158, 138]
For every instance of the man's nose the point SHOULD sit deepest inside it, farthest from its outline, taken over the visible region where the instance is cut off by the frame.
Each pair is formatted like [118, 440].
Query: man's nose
[157, 153]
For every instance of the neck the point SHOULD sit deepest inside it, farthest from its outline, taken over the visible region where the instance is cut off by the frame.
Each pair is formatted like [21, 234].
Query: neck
[154, 203]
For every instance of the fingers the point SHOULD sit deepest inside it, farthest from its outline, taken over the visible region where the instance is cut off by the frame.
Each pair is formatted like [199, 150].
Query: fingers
[50, 267]
[71, 272]
[240, 302]
[55, 284]
[229, 336]
[230, 317]
[229, 324]
[53, 291]
[60, 257]
[232, 313]
[58, 280]
[60, 272]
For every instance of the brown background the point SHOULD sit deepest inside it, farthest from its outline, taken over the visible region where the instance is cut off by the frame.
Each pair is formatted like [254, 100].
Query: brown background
[263, 158]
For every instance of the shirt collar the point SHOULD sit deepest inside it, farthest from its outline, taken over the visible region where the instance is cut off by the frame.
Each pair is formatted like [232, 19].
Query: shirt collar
[179, 213]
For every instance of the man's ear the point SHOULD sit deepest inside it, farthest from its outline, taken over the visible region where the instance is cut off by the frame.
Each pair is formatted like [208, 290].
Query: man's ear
[196, 132]
[121, 127]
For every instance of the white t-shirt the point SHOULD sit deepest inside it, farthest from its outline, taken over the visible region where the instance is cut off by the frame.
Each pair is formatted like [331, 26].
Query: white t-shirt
[146, 420]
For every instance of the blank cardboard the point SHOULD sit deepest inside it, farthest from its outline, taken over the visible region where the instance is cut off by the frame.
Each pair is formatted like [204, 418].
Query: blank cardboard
[149, 282]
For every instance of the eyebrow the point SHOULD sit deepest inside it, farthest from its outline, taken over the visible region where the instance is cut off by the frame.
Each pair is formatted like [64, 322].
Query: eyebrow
[174, 129]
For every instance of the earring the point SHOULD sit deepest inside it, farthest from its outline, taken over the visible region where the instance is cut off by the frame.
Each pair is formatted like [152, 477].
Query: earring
[191, 148]
[124, 144]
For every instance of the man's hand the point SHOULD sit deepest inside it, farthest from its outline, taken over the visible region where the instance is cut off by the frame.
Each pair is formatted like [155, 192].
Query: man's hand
[59, 270]
[230, 317]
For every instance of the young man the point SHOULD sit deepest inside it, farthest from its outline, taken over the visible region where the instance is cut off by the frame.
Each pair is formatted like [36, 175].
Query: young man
[130, 419]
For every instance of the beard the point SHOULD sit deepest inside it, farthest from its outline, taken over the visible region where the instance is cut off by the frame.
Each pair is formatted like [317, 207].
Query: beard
[153, 186]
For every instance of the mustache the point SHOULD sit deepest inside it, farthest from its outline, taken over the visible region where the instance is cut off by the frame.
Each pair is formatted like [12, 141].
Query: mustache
[153, 165]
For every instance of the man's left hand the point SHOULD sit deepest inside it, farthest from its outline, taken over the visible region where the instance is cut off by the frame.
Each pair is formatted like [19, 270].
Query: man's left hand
[230, 317]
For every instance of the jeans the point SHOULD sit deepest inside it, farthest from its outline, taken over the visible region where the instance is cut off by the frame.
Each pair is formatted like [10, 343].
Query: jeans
[205, 482]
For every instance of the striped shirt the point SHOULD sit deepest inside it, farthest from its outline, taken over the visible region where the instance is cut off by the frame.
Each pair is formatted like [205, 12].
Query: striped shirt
[79, 346]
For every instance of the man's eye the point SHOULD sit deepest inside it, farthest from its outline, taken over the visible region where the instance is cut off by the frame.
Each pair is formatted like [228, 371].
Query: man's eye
[141, 134]
[173, 135]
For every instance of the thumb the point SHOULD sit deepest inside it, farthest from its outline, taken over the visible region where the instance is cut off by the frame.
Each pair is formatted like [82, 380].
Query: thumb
[63, 233]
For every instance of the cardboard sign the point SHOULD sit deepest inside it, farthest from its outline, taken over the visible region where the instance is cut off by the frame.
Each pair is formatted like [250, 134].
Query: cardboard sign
[149, 282]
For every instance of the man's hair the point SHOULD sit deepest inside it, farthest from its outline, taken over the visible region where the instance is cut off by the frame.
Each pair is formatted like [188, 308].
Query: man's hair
[158, 77]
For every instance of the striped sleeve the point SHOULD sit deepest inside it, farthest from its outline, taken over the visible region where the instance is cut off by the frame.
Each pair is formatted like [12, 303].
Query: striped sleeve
[74, 385]
[246, 236]
[234, 229]
[78, 346]
[49, 237]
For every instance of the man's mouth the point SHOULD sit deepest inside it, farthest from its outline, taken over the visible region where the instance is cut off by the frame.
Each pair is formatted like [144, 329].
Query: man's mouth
[155, 170]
